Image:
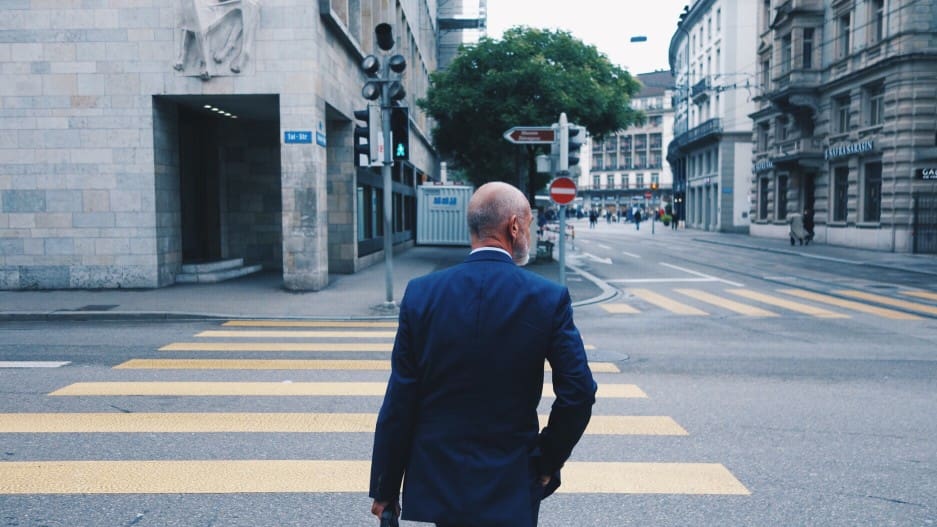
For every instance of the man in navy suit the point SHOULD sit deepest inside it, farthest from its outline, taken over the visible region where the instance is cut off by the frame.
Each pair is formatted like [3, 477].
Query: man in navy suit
[459, 418]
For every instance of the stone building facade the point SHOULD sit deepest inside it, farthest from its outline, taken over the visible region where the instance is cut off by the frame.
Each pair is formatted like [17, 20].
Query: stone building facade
[139, 136]
[711, 56]
[847, 121]
[628, 165]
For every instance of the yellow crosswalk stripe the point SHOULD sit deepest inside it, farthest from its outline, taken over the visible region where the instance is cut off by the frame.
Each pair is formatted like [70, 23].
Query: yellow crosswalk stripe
[277, 346]
[921, 294]
[282, 389]
[666, 303]
[287, 346]
[288, 364]
[252, 422]
[787, 304]
[288, 476]
[856, 306]
[310, 324]
[888, 301]
[725, 303]
[272, 334]
[620, 309]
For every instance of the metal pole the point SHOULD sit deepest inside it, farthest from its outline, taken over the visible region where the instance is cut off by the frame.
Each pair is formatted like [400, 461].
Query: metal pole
[388, 190]
[563, 245]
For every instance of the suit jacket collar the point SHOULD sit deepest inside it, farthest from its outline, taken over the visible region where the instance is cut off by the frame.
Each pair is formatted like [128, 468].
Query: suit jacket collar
[491, 256]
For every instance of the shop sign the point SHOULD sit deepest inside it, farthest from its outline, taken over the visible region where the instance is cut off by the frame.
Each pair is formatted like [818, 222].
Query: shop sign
[764, 165]
[851, 149]
[927, 174]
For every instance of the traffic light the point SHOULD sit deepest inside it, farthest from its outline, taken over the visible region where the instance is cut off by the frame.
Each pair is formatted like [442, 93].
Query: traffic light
[400, 132]
[367, 136]
[576, 137]
[654, 185]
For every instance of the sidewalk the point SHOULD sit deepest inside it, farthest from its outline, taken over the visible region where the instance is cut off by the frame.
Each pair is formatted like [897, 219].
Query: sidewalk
[262, 295]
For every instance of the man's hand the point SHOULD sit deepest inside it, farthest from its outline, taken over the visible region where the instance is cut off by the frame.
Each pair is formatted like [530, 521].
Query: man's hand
[377, 508]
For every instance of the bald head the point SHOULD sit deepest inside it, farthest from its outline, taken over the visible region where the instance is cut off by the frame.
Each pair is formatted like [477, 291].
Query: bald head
[499, 216]
[492, 207]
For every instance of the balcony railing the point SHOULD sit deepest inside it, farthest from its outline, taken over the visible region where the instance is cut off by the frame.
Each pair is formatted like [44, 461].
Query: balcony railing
[810, 147]
[700, 89]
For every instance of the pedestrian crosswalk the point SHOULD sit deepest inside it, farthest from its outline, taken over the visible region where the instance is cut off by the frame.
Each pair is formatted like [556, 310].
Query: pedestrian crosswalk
[840, 303]
[255, 345]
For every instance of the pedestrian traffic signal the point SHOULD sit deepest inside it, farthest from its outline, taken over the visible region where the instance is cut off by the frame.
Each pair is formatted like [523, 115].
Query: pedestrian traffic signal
[367, 135]
[576, 136]
[400, 132]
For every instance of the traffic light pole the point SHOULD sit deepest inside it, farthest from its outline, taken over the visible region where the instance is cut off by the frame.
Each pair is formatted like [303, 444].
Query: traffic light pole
[563, 171]
[386, 175]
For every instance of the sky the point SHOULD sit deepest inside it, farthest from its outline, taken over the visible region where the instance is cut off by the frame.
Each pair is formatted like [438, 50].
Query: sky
[606, 24]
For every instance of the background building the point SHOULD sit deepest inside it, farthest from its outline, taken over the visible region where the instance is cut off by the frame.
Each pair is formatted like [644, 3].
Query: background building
[629, 164]
[847, 121]
[713, 62]
[138, 138]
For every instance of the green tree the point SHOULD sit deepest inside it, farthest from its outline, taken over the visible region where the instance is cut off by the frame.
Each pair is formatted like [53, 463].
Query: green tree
[525, 79]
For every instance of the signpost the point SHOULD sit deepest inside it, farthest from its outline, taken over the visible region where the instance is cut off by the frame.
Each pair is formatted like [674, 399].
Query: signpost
[530, 135]
[562, 192]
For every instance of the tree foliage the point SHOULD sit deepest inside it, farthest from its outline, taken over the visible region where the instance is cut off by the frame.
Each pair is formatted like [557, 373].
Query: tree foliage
[525, 79]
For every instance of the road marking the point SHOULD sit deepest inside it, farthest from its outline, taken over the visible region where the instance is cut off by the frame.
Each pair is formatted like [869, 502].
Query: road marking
[285, 346]
[275, 346]
[273, 334]
[590, 256]
[276, 422]
[649, 478]
[725, 303]
[856, 306]
[288, 364]
[310, 324]
[656, 280]
[288, 476]
[666, 303]
[603, 246]
[620, 309]
[33, 364]
[787, 304]
[632, 255]
[701, 275]
[921, 294]
[888, 301]
[278, 389]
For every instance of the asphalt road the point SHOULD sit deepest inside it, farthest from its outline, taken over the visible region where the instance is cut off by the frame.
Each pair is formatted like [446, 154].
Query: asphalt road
[803, 413]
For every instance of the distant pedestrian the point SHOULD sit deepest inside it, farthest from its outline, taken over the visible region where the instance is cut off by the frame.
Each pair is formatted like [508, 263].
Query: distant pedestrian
[637, 220]
[593, 218]
[674, 220]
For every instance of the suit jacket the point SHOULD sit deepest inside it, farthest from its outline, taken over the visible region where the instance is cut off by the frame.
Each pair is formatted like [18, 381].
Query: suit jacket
[460, 413]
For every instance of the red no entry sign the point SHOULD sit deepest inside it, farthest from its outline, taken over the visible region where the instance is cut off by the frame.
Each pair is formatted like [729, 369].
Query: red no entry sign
[563, 190]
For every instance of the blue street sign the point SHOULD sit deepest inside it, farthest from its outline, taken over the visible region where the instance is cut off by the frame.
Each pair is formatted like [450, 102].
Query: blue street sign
[297, 136]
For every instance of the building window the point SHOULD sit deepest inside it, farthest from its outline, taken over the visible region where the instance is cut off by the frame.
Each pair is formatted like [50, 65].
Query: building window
[875, 104]
[654, 160]
[718, 19]
[763, 184]
[596, 181]
[626, 161]
[843, 35]
[639, 180]
[657, 141]
[765, 76]
[766, 16]
[808, 48]
[782, 198]
[655, 180]
[624, 181]
[872, 192]
[877, 21]
[610, 181]
[780, 130]
[597, 162]
[840, 193]
[841, 114]
[763, 129]
[786, 53]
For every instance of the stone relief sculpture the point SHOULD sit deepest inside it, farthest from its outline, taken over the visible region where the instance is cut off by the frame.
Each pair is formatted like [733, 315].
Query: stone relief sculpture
[216, 36]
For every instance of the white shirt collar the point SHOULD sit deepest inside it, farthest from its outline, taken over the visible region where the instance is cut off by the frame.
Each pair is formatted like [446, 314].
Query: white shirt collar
[498, 249]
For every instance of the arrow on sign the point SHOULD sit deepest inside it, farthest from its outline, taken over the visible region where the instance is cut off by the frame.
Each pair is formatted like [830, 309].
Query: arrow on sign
[530, 135]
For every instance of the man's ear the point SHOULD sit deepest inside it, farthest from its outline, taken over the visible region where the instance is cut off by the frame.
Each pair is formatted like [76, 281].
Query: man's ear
[514, 226]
